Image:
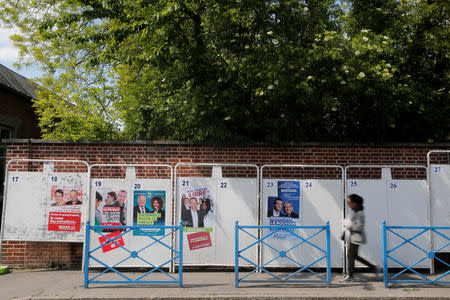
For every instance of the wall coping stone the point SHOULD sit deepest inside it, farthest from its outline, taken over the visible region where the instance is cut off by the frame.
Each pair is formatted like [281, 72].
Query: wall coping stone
[170, 142]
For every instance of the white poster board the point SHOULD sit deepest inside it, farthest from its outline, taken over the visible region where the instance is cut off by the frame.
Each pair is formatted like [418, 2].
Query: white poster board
[400, 203]
[320, 201]
[106, 212]
[440, 204]
[228, 200]
[31, 210]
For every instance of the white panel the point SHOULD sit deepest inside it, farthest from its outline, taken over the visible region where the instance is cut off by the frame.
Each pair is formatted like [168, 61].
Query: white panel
[320, 201]
[407, 206]
[375, 211]
[239, 203]
[29, 199]
[234, 199]
[157, 253]
[440, 203]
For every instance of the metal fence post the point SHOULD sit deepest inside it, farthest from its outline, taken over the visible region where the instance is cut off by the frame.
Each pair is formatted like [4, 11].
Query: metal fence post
[385, 262]
[236, 254]
[328, 255]
[86, 255]
[180, 258]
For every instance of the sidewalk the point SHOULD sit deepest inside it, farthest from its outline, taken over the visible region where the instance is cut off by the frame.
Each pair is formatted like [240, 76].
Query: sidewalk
[44, 284]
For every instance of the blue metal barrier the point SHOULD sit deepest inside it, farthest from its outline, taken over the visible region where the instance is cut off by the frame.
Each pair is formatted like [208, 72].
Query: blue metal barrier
[410, 240]
[282, 253]
[154, 240]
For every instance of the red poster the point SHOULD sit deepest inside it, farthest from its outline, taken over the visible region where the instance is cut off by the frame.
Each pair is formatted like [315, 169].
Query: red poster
[110, 245]
[64, 221]
[199, 240]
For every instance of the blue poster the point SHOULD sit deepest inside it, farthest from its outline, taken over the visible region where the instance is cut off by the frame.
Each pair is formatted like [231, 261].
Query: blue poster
[149, 209]
[283, 210]
[289, 192]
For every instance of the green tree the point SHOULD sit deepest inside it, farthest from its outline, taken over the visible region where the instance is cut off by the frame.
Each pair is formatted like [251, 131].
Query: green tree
[238, 71]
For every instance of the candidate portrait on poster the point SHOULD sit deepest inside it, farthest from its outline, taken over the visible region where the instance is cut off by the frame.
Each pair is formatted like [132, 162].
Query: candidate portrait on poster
[65, 208]
[197, 208]
[283, 209]
[149, 210]
[111, 206]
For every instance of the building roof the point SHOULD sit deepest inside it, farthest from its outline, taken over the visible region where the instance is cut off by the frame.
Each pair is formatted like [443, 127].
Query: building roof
[17, 83]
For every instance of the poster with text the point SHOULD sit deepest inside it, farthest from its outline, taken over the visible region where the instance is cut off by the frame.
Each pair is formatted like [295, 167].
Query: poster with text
[283, 210]
[65, 209]
[149, 210]
[197, 208]
[199, 240]
[111, 241]
[111, 207]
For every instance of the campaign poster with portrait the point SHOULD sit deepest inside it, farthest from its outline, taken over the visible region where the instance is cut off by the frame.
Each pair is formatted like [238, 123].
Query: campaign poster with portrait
[111, 207]
[284, 209]
[149, 209]
[197, 215]
[65, 208]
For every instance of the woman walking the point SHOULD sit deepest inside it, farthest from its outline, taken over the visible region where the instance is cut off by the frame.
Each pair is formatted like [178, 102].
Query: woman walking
[355, 236]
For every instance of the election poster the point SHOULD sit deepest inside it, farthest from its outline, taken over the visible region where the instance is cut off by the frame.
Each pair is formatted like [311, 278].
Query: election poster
[149, 210]
[111, 207]
[111, 241]
[65, 209]
[197, 215]
[283, 209]
[199, 240]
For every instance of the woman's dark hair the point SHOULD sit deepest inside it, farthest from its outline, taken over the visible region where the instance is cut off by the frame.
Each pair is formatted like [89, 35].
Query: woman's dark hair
[59, 192]
[358, 200]
[160, 201]
[98, 197]
[277, 199]
[208, 204]
[113, 194]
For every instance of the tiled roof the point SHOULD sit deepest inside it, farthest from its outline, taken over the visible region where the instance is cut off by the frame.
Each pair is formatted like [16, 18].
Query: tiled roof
[16, 82]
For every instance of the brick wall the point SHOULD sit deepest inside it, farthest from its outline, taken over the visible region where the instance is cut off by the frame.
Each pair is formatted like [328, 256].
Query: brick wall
[41, 254]
[25, 254]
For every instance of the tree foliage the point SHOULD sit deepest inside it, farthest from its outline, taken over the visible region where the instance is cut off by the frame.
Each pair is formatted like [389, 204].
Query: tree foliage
[239, 71]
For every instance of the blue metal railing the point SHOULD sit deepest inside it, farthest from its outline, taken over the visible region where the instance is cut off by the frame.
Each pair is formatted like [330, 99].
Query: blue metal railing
[154, 240]
[239, 253]
[410, 241]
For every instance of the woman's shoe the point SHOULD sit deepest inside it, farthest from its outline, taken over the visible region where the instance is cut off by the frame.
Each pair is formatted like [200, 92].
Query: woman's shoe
[347, 278]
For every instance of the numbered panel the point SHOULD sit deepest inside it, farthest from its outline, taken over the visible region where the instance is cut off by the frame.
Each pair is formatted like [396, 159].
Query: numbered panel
[407, 206]
[375, 211]
[315, 201]
[131, 202]
[400, 203]
[440, 203]
[41, 206]
[209, 209]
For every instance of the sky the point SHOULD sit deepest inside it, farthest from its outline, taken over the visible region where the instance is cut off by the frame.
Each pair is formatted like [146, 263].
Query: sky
[9, 55]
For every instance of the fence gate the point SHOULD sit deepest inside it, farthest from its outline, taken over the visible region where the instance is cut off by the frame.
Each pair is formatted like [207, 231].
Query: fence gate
[282, 253]
[114, 241]
[409, 271]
